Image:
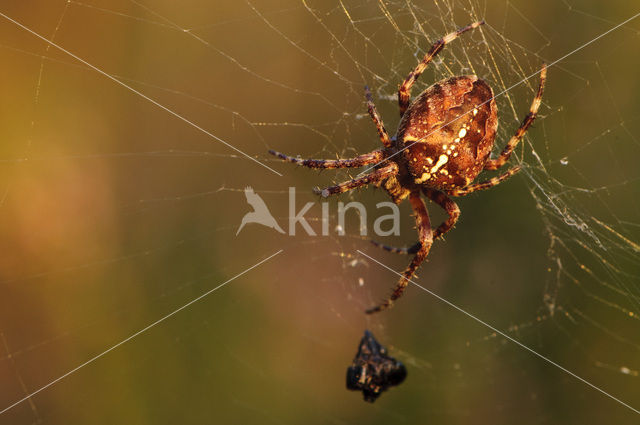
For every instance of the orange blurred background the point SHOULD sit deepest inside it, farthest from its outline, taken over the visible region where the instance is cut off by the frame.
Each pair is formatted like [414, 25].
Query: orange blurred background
[114, 213]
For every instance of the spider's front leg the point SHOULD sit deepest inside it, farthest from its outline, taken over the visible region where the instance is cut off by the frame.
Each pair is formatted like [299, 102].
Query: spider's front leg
[453, 211]
[403, 251]
[451, 208]
[426, 240]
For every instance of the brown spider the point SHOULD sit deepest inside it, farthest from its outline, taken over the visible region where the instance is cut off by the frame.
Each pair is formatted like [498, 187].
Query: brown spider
[443, 142]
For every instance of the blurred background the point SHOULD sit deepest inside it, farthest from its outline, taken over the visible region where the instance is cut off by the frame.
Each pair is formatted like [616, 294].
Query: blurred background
[115, 213]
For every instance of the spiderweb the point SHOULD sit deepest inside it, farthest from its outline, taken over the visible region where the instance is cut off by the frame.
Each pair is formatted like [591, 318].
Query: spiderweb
[115, 213]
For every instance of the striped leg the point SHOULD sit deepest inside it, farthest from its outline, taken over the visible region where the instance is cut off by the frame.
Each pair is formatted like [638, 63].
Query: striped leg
[359, 161]
[374, 177]
[426, 240]
[485, 184]
[404, 251]
[452, 209]
[447, 204]
[404, 93]
[377, 120]
[494, 164]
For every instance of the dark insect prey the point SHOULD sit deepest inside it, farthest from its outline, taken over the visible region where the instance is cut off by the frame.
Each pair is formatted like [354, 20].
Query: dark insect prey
[372, 370]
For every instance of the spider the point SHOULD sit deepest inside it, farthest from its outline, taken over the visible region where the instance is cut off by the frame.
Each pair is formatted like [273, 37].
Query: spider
[444, 140]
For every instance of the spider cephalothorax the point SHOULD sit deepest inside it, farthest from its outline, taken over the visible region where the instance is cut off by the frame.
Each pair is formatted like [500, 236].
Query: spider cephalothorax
[444, 140]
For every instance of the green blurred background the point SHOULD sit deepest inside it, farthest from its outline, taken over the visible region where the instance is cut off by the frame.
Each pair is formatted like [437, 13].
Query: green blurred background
[113, 213]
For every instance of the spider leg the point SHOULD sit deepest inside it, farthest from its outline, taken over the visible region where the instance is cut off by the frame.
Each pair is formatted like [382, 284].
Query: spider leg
[374, 177]
[426, 239]
[404, 251]
[359, 161]
[377, 120]
[495, 163]
[485, 184]
[448, 205]
[404, 93]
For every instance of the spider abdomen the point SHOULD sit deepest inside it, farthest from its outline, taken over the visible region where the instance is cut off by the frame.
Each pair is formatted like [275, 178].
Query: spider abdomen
[448, 131]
